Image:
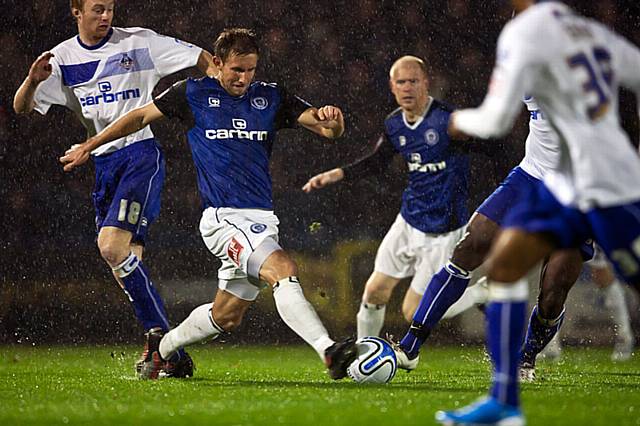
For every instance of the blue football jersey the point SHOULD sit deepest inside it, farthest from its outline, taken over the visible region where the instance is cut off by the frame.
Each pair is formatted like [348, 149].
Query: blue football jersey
[231, 137]
[436, 198]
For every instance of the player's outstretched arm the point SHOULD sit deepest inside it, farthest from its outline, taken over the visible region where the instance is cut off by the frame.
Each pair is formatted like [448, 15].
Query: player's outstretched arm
[323, 179]
[129, 123]
[326, 121]
[40, 70]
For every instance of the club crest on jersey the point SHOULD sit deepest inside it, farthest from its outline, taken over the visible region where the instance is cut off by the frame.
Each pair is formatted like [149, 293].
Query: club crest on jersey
[234, 251]
[126, 62]
[259, 102]
[214, 102]
[257, 228]
[432, 137]
[402, 140]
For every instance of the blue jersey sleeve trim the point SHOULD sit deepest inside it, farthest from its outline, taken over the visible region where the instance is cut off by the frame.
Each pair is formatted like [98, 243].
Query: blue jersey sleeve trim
[73, 75]
[96, 46]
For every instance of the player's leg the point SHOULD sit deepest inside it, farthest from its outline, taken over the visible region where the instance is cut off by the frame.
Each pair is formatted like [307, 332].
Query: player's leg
[376, 295]
[476, 295]
[616, 303]
[116, 249]
[206, 322]
[559, 274]
[127, 200]
[514, 253]
[394, 261]
[449, 283]
[280, 271]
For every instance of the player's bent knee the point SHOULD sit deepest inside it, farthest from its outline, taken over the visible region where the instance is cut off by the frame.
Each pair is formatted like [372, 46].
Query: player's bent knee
[113, 253]
[278, 266]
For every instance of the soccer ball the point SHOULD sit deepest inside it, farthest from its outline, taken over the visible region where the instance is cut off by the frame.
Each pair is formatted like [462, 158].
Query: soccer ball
[376, 361]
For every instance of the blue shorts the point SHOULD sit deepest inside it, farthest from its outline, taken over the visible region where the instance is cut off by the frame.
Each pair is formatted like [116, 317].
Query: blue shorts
[128, 188]
[615, 229]
[506, 196]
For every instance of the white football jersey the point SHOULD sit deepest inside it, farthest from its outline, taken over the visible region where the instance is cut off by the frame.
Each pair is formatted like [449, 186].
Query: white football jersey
[101, 83]
[573, 66]
[542, 148]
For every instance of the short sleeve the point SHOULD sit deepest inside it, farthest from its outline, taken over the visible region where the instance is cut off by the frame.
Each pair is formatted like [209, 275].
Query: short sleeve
[170, 54]
[52, 91]
[291, 107]
[173, 102]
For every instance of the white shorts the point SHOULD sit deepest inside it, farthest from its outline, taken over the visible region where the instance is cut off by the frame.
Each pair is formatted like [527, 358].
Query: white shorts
[405, 251]
[242, 239]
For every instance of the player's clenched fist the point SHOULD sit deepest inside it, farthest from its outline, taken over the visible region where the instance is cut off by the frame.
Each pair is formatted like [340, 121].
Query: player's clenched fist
[329, 113]
[323, 179]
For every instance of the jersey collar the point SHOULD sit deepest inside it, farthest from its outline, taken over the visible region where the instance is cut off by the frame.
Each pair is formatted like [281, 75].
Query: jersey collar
[100, 43]
[419, 120]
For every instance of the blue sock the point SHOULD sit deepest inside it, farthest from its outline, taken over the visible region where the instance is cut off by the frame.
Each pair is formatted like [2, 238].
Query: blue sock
[146, 301]
[539, 334]
[506, 315]
[444, 289]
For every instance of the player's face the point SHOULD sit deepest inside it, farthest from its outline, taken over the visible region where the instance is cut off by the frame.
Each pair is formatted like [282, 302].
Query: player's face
[237, 72]
[410, 87]
[94, 20]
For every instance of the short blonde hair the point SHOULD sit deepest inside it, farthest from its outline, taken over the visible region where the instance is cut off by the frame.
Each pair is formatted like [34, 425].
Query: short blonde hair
[411, 59]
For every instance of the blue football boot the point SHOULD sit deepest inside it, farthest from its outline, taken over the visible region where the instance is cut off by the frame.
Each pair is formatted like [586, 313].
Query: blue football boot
[487, 411]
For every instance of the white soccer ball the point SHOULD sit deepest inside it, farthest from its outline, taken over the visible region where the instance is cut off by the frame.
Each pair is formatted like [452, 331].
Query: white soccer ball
[376, 361]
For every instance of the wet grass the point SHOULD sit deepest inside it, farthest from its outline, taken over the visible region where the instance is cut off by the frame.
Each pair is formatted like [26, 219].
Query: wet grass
[287, 385]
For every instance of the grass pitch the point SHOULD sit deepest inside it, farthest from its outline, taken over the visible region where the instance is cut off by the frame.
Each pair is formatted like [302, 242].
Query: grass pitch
[272, 385]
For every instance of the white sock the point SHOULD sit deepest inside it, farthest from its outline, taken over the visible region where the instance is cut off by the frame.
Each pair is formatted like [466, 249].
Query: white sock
[473, 295]
[615, 301]
[370, 319]
[198, 326]
[299, 315]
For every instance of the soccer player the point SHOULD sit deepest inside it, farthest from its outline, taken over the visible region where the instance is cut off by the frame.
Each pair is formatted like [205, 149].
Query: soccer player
[434, 205]
[232, 124]
[558, 275]
[101, 74]
[573, 67]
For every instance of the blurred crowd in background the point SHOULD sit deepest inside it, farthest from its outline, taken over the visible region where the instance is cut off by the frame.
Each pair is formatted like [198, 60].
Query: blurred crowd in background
[327, 52]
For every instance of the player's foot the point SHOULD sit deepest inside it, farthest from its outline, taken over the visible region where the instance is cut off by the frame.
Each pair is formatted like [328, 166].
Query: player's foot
[339, 356]
[487, 411]
[143, 356]
[622, 350]
[179, 369]
[527, 372]
[403, 360]
[153, 362]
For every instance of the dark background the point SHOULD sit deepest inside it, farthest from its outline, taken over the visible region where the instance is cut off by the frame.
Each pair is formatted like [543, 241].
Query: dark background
[53, 285]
